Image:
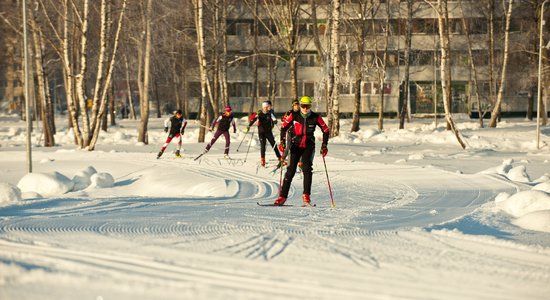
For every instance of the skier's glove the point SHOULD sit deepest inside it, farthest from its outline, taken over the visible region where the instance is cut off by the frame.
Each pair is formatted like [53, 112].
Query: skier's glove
[324, 150]
[282, 146]
[165, 129]
[247, 129]
[182, 132]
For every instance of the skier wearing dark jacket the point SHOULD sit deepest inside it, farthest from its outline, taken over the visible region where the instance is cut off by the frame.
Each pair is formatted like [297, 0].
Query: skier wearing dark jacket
[289, 134]
[302, 146]
[175, 125]
[266, 120]
[224, 121]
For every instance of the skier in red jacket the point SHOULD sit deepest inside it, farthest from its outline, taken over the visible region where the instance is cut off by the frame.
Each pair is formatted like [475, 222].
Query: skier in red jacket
[302, 146]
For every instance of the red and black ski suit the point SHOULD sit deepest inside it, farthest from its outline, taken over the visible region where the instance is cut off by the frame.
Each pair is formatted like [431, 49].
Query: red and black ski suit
[175, 127]
[302, 146]
[266, 122]
[224, 121]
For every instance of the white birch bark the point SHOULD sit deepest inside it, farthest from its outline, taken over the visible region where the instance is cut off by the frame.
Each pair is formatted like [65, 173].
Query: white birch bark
[144, 109]
[444, 42]
[108, 80]
[335, 60]
[199, 24]
[68, 77]
[81, 78]
[496, 110]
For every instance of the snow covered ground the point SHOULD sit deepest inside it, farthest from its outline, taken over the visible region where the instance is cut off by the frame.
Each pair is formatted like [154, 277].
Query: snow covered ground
[416, 217]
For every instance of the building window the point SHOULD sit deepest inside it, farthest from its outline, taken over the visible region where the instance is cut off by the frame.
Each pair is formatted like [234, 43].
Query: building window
[367, 89]
[263, 89]
[239, 89]
[307, 59]
[309, 88]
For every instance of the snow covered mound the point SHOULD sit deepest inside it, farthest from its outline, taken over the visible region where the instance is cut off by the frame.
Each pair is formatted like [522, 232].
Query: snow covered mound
[545, 187]
[538, 220]
[9, 192]
[45, 184]
[531, 208]
[82, 179]
[525, 202]
[102, 180]
[518, 174]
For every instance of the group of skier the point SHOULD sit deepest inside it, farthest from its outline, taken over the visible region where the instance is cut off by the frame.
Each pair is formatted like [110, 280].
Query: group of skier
[297, 139]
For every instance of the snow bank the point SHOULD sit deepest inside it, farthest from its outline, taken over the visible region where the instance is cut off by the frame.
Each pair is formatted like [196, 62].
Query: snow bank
[545, 187]
[531, 208]
[102, 180]
[9, 192]
[518, 174]
[82, 179]
[538, 220]
[45, 184]
[525, 202]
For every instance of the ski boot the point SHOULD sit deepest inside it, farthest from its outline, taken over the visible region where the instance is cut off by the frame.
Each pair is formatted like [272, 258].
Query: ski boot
[263, 162]
[280, 201]
[226, 156]
[160, 154]
[307, 200]
[178, 155]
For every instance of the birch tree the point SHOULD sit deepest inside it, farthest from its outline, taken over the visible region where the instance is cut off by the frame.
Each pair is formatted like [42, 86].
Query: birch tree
[496, 110]
[403, 110]
[46, 107]
[144, 82]
[334, 122]
[442, 14]
[473, 67]
[199, 24]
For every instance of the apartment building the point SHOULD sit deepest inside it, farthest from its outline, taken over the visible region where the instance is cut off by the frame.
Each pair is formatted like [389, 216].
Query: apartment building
[425, 85]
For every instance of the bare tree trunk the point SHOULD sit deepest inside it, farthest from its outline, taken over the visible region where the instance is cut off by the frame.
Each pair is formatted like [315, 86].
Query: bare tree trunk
[43, 91]
[496, 110]
[112, 110]
[157, 98]
[335, 59]
[360, 41]
[81, 78]
[491, 36]
[472, 65]
[443, 37]
[199, 24]
[403, 111]
[144, 99]
[104, 36]
[129, 91]
[68, 77]
[254, 62]
[108, 82]
[223, 58]
[384, 66]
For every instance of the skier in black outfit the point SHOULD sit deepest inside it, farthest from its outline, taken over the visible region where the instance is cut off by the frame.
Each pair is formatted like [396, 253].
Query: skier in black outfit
[175, 125]
[224, 121]
[295, 108]
[266, 120]
[302, 146]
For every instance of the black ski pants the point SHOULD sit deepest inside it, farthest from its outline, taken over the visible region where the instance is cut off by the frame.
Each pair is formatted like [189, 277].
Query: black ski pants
[306, 155]
[267, 136]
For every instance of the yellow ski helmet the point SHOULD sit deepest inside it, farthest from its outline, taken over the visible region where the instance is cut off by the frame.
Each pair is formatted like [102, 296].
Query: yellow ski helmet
[306, 100]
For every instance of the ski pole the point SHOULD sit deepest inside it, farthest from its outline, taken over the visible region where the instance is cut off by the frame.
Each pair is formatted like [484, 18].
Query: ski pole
[328, 181]
[281, 174]
[250, 143]
[242, 141]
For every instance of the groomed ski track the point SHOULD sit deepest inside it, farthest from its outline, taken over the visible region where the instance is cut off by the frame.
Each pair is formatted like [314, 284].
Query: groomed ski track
[384, 239]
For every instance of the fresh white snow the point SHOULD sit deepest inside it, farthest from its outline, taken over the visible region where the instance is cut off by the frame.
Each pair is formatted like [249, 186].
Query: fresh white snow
[415, 217]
